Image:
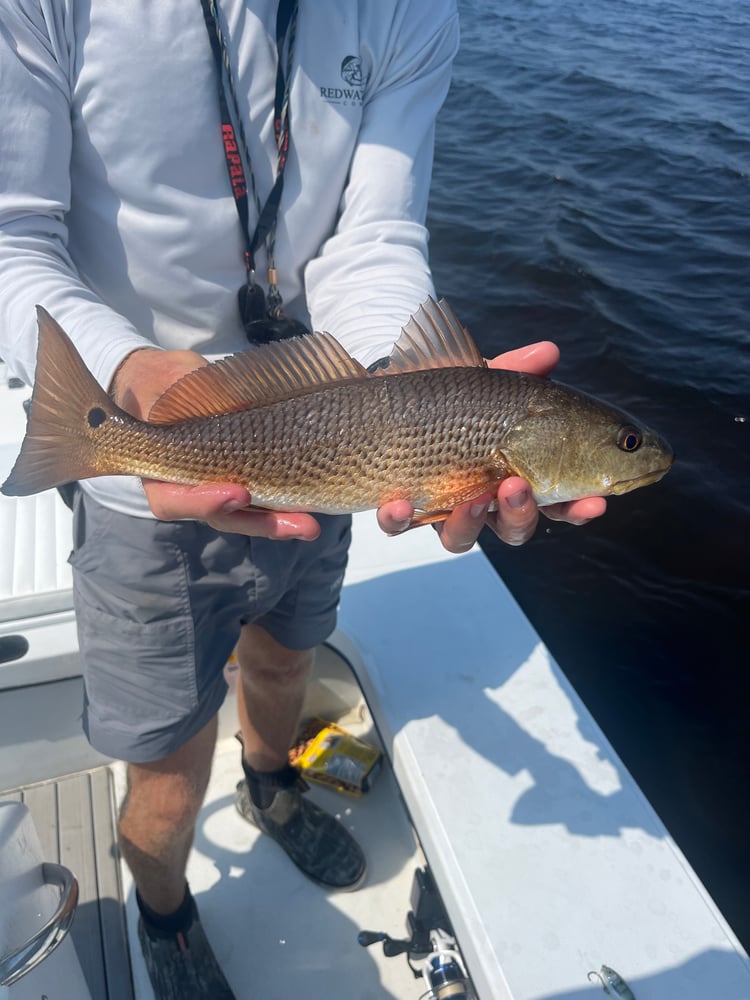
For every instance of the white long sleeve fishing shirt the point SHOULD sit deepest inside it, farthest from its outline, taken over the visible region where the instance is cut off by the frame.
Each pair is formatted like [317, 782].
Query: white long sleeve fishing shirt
[116, 211]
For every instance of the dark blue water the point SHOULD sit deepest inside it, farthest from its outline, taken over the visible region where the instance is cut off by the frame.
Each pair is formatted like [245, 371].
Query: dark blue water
[592, 186]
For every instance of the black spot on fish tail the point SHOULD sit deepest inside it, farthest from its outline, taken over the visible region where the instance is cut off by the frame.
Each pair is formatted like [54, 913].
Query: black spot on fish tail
[96, 416]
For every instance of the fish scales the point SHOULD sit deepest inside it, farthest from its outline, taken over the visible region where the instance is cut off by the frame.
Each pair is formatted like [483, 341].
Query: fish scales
[345, 447]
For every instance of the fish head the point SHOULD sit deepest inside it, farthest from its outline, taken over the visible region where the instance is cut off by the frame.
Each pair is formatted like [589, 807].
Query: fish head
[569, 445]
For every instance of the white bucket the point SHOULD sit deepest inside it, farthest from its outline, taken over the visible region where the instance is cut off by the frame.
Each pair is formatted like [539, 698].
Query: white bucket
[37, 902]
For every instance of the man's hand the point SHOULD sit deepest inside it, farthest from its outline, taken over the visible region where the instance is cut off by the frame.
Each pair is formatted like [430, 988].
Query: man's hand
[139, 381]
[517, 514]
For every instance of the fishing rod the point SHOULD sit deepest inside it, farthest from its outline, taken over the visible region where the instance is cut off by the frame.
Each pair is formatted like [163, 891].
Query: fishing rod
[431, 943]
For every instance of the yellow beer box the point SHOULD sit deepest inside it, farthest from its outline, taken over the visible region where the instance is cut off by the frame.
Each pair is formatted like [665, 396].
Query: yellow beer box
[329, 755]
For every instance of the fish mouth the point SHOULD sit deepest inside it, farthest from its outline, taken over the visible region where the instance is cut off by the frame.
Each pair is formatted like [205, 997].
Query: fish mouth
[626, 485]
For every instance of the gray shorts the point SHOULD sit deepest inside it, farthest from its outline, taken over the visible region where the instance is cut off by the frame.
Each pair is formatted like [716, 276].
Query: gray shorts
[160, 605]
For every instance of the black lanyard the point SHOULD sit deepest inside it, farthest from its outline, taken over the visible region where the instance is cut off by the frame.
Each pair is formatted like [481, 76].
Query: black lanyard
[251, 299]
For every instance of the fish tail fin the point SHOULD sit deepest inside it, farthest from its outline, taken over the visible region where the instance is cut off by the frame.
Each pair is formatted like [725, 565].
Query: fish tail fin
[66, 402]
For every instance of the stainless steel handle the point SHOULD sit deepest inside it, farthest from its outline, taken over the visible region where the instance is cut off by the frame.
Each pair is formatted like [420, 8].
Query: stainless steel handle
[47, 938]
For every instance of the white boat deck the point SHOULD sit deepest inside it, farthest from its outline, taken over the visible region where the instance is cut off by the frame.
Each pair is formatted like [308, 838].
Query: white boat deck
[550, 860]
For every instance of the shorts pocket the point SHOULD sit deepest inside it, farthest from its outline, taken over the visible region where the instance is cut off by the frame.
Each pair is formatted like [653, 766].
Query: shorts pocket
[139, 676]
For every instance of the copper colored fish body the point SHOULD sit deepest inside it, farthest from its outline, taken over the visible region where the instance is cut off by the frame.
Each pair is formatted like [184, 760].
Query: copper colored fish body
[304, 427]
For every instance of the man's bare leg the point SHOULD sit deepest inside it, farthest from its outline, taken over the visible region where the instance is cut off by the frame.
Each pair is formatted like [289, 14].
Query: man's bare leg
[157, 822]
[270, 698]
[270, 695]
[158, 817]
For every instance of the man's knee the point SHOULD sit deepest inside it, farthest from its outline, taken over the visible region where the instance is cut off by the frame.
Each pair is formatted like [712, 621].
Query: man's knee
[170, 791]
[260, 656]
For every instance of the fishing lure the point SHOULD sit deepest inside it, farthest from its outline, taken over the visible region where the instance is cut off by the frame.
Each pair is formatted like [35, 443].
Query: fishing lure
[612, 983]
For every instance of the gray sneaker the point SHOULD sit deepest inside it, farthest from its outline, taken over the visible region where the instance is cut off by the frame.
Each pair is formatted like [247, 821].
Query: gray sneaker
[316, 842]
[182, 966]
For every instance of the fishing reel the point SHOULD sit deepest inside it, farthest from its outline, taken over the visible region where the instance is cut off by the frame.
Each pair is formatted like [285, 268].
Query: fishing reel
[431, 944]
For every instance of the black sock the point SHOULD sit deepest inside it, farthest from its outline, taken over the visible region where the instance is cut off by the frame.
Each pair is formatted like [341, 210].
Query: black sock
[263, 785]
[168, 923]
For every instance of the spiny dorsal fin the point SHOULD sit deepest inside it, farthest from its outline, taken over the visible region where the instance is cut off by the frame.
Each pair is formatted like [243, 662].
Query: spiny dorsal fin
[265, 374]
[433, 338]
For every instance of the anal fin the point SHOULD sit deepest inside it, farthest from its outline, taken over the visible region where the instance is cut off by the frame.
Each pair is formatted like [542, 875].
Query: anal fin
[421, 518]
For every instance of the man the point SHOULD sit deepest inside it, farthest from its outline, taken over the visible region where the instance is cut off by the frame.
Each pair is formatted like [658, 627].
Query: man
[130, 136]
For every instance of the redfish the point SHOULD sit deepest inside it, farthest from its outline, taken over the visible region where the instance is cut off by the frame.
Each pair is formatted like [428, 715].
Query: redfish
[304, 427]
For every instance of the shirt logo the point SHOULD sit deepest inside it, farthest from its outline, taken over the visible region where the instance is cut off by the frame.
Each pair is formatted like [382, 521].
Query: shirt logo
[353, 76]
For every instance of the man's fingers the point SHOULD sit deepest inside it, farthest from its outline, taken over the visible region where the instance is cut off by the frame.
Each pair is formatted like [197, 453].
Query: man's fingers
[175, 501]
[517, 515]
[514, 521]
[457, 533]
[395, 516]
[225, 507]
[460, 530]
[268, 524]
[537, 359]
[576, 511]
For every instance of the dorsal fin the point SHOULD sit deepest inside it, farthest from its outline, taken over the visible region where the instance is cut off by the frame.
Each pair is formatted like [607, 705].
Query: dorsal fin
[433, 338]
[264, 374]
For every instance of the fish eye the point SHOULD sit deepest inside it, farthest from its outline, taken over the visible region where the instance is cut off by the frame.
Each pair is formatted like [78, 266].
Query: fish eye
[629, 438]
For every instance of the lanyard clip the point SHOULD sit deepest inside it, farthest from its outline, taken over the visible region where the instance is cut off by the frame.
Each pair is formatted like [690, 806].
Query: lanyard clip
[251, 300]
